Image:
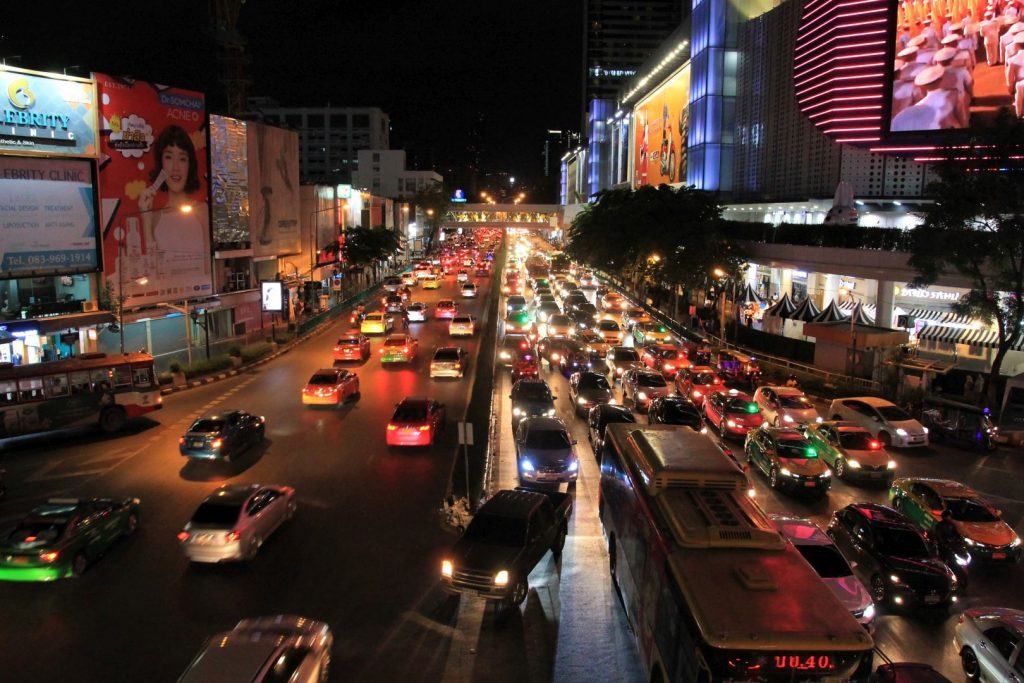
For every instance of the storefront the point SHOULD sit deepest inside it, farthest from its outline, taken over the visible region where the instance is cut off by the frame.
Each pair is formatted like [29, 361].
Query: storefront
[23, 342]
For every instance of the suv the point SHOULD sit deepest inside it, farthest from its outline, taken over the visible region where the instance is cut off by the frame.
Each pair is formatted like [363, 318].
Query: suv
[544, 451]
[531, 398]
[788, 460]
[892, 557]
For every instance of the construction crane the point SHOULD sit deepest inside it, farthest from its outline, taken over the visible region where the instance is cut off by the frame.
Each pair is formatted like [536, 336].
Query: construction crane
[231, 53]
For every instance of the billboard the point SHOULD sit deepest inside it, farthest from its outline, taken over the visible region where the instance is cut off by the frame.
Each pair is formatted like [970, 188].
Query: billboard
[47, 114]
[273, 190]
[272, 296]
[47, 216]
[153, 186]
[660, 132]
[229, 181]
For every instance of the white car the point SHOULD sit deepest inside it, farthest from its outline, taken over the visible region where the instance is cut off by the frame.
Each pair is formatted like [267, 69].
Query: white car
[462, 326]
[785, 406]
[233, 522]
[417, 312]
[989, 642]
[886, 421]
[462, 276]
[468, 290]
[448, 361]
[821, 553]
[408, 280]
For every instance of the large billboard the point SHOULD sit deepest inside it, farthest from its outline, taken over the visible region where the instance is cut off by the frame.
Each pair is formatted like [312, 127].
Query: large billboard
[47, 216]
[47, 114]
[153, 184]
[229, 181]
[273, 190]
[660, 131]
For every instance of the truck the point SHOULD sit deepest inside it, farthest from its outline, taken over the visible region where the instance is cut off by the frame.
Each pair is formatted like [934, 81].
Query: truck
[508, 536]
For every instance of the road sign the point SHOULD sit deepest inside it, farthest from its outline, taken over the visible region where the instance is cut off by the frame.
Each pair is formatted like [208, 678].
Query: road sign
[465, 433]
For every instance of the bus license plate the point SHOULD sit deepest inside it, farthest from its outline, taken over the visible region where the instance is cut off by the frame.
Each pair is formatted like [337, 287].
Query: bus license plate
[931, 599]
[998, 556]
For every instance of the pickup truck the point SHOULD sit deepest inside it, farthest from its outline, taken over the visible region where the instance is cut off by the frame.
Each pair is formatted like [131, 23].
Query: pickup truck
[508, 536]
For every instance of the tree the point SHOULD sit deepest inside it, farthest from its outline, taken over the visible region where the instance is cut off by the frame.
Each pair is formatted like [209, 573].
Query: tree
[366, 246]
[434, 202]
[976, 229]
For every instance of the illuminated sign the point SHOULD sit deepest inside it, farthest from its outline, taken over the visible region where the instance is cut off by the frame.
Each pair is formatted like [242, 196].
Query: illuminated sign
[661, 132]
[459, 196]
[344, 191]
[271, 296]
[912, 293]
[47, 114]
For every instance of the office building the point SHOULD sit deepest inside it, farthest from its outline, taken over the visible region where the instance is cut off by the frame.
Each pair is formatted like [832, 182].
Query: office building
[383, 173]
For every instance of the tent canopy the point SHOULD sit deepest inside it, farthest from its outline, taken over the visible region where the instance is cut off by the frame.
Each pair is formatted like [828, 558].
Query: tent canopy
[783, 308]
[805, 311]
[830, 314]
[747, 295]
[861, 317]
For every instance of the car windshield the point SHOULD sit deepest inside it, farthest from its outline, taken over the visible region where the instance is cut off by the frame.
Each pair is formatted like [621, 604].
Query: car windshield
[856, 441]
[608, 326]
[446, 304]
[323, 379]
[966, 510]
[217, 514]
[394, 341]
[625, 354]
[594, 381]
[900, 543]
[348, 342]
[462, 319]
[416, 307]
[206, 426]
[531, 392]
[650, 380]
[446, 355]
[740, 405]
[825, 560]
[703, 378]
[669, 354]
[547, 438]
[681, 412]
[893, 414]
[374, 318]
[469, 286]
[559, 320]
[410, 412]
[796, 449]
[799, 402]
[37, 533]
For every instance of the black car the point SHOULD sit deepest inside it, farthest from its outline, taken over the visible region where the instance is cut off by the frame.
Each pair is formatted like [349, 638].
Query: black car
[581, 320]
[892, 557]
[601, 416]
[567, 355]
[675, 410]
[222, 435]
[588, 389]
[571, 302]
[531, 398]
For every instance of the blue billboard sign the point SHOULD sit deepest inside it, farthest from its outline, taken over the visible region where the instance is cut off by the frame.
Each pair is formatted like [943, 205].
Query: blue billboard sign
[459, 196]
[47, 114]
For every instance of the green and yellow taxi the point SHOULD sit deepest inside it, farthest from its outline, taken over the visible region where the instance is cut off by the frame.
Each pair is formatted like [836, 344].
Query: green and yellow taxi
[852, 452]
[979, 524]
[63, 537]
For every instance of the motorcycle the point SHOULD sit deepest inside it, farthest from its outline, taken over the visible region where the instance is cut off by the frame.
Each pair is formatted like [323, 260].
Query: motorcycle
[959, 423]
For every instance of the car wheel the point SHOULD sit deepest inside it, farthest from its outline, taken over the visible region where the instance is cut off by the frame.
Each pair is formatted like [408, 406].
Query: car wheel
[773, 478]
[878, 590]
[969, 661]
[840, 467]
[518, 594]
[254, 547]
[131, 524]
[885, 439]
[79, 564]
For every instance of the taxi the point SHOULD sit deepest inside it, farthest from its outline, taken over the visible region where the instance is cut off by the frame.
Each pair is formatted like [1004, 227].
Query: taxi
[398, 348]
[593, 343]
[732, 412]
[431, 283]
[330, 387]
[697, 381]
[664, 358]
[633, 316]
[651, 332]
[353, 346]
[376, 323]
[446, 309]
[408, 280]
[462, 326]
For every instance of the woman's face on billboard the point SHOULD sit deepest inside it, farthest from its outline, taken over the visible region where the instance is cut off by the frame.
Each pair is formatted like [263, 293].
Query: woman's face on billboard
[175, 165]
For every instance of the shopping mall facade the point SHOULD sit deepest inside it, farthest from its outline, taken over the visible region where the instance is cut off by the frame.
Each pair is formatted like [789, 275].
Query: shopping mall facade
[773, 105]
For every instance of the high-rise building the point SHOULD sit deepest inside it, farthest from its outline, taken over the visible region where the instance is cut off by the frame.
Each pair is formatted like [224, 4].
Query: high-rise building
[329, 137]
[384, 173]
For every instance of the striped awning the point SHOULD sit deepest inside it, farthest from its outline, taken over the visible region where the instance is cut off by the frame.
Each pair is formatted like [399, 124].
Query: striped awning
[984, 337]
[934, 317]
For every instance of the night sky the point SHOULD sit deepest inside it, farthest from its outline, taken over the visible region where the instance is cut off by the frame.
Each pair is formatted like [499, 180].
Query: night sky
[432, 66]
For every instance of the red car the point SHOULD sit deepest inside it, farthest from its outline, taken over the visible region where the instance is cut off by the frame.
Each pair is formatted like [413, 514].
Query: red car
[732, 412]
[331, 386]
[352, 346]
[665, 358]
[415, 422]
[445, 309]
[697, 382]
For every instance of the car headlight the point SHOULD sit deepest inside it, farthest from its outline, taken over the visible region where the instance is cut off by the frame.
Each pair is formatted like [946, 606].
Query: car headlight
[574, 466]
[641, 395]
[827, 474]
[926, 429]
[894, 578]
[612, 402]
[818, 419]
[582, 401]
[517, 412]
[550, 413]
[785, 472]
[969, 542]
[891, 465]
[869, 612]
[1015, 542]
[526, 465]
[730, 423]
[787, 418]
[446, 568]
[854, 464]
[901, 431]
[501, 578]
[505, 355]
[962, 560]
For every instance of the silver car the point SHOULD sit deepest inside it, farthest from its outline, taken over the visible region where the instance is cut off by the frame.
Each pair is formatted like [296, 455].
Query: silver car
[448, 361]
[234, 521]
[823, 556]
[619, 359]
[889, 423]
[279, 648]
[990, 641]
[545, 451]
[785, 406]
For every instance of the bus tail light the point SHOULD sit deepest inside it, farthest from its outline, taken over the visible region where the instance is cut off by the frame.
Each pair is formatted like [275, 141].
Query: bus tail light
[183, 536]
[232, 536]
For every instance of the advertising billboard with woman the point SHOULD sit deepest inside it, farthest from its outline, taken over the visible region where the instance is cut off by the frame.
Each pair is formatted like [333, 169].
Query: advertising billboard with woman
[154, 189]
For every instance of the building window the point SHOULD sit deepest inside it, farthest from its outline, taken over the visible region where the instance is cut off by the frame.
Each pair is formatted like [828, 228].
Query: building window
[315, 120]
[339, 120]
[376, 157]
[360, 120]
[293, 120]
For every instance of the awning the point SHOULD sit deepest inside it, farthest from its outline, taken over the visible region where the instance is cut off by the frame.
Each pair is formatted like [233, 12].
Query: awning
[747, 295]
[934, 317]
[57, 323]
[830, 314]
[984, 337]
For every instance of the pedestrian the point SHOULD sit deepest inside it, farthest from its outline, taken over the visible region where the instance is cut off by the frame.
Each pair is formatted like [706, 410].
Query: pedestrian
[791, 381]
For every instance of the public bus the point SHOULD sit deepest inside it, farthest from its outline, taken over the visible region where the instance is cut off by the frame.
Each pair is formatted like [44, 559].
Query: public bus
[711, 589]
[93, 388]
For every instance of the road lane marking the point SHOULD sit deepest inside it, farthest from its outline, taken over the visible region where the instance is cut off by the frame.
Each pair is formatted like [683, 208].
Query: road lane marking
[462, 654]
[429, 624]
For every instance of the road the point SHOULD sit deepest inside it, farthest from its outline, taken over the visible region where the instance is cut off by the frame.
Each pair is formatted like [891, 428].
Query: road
[362, 553]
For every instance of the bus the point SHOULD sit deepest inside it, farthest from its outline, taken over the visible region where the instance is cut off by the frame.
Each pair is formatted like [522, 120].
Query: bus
[93, 388]
[711, 589]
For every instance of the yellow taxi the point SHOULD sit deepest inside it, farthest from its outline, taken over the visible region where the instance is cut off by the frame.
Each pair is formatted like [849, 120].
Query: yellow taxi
[376, 323]
[431, 283]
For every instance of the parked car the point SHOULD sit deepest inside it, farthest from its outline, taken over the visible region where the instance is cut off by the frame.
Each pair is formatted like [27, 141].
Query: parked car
[448, 361]
[697, 381]
[545, 451]
[62, 537]
[531, 398]
[376, 323]
[417, 312]
[785, 406]
[788, 460]
[601, 416]
[446, 309]
[980, 526]
[222, 435]
[588, 389]
[353, 346]
[890, 424]
[265, 650]
[852, 452]
[331, 386]
[619, 359]
[822, 554]
[732, 412]
[640, 386]
[675, 410]
[508, 536]
[398, 348]
[990, 641]
[891, 557]
[233, 522]
[462, 326]
[415, 422]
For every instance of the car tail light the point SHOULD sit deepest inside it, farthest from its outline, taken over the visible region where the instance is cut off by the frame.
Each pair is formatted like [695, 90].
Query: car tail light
[182, 536]
[49, 557]
[216, 443]
[181, 440]
[392, 428]
[424, 428]
[232, 536]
